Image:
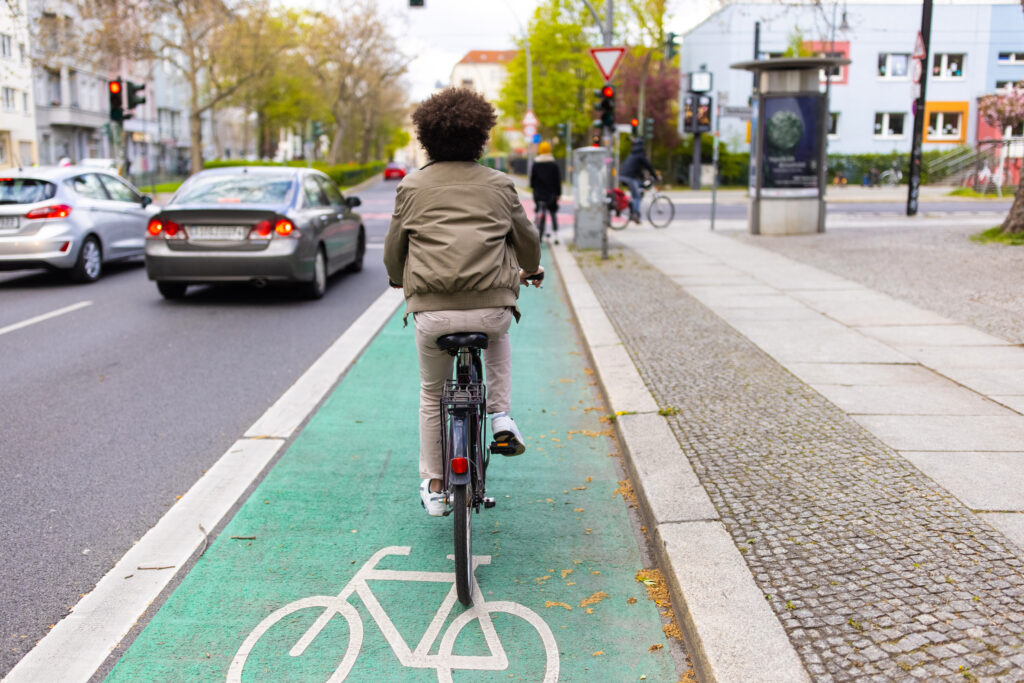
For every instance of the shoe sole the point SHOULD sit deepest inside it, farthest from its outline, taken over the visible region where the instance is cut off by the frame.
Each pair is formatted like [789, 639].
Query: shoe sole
[511, 438]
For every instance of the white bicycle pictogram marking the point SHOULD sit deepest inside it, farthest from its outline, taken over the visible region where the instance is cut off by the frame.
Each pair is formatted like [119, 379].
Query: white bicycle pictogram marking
[445, 661]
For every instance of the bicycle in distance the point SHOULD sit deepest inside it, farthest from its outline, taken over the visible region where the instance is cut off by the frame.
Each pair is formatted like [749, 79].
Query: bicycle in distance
[463, 431]
[656, 206]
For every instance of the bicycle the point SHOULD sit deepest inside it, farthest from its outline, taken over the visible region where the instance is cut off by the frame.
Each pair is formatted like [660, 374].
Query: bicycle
[463, 425]
[893, 176]
[659, 208]
[444, 662]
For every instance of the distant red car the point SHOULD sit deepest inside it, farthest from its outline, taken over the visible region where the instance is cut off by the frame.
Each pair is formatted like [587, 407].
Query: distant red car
[394, 170]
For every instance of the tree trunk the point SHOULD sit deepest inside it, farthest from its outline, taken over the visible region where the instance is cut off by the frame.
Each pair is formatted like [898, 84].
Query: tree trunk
[336, 144]
[364, 152]
[195, 135]
[1014, 222]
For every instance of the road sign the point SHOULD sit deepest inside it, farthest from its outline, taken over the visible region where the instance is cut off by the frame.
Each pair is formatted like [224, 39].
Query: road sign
[744, 113]
[607, 59]
[916, 70]
[536, 138]
[529, 131]
[529, 119]
[918, 47]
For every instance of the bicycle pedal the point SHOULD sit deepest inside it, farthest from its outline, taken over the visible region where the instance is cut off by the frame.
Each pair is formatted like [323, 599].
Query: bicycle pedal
[503, 448]
[489, 502]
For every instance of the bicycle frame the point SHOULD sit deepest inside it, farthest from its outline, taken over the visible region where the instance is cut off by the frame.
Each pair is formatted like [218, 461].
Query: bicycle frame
[464, 401]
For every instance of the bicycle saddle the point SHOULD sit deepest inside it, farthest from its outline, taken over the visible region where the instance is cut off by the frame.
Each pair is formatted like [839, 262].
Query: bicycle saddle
[461, 340]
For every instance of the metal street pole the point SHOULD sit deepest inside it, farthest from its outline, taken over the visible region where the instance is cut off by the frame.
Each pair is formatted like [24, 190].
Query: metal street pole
[914, 181]
[529, 101]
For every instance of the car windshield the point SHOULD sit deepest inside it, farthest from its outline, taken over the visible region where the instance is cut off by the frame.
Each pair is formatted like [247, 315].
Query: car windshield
[236, 189]
[25, 190]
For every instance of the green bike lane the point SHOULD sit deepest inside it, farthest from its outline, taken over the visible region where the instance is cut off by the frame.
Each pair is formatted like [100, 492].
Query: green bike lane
[558, 545]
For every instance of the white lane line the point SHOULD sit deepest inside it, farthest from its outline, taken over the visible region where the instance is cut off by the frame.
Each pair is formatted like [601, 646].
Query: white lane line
[79, 644]
[44, 316]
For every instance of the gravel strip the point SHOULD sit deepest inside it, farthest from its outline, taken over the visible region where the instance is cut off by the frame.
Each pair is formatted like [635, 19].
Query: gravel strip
[937, 268]
[874, 571]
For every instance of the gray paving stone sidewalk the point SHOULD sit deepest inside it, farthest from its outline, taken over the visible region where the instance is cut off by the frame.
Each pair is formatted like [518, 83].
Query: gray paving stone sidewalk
[874, 571]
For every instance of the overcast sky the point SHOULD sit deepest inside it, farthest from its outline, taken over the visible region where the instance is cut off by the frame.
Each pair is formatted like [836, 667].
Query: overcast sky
[441, 33]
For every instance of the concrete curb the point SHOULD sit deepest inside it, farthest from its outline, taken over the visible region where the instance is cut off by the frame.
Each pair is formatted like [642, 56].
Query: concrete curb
[720, 608]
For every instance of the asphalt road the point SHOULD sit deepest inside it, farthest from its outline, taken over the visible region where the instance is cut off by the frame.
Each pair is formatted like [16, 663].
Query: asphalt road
[113, 410]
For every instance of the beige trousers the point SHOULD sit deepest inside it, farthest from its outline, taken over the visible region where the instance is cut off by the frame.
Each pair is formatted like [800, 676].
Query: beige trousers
[436, 367]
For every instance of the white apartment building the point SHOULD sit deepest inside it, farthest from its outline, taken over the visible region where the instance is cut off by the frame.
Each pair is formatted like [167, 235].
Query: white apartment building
[484, 71]
[17, 107]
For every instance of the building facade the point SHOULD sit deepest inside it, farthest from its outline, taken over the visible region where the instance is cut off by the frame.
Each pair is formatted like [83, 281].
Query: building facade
[484, 71]
[17, 104]
[976, 47]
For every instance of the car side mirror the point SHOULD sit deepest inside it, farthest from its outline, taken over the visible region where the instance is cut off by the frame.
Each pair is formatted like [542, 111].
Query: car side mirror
[352, 202]
[146, 200]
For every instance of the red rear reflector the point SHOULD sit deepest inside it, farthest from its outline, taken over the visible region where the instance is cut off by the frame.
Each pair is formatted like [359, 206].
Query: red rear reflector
[64, 247]
[171, 228]
[283, 227]
[55, 211]
[460, 465]
[262, 229]
[155, 227]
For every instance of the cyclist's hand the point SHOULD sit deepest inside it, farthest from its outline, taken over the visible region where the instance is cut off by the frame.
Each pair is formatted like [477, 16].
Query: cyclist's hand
[525, 279]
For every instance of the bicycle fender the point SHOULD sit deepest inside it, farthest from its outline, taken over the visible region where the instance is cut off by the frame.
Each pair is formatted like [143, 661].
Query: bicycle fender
[458, 478]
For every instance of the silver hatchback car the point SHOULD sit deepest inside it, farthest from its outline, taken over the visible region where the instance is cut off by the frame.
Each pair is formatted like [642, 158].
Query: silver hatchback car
[70, 218]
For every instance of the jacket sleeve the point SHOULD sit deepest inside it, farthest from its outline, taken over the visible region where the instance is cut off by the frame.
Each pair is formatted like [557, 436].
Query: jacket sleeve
[396, 242]
[524, 237]
[649, 166]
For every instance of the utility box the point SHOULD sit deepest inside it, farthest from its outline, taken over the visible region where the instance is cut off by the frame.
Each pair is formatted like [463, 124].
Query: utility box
[591, 169]
[788, 144]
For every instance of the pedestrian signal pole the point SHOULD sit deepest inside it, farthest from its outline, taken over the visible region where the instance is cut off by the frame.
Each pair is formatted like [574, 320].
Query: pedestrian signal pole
[920, 68]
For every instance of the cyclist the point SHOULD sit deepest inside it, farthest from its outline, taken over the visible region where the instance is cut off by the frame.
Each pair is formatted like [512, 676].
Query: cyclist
[632, 173]
[460, 245]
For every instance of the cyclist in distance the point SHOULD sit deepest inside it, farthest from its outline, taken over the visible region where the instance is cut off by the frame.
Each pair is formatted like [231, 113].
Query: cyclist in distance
[632, 173]
[459, 245]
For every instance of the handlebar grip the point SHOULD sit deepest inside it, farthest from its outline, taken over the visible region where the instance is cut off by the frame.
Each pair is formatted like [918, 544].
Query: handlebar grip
[536, 277]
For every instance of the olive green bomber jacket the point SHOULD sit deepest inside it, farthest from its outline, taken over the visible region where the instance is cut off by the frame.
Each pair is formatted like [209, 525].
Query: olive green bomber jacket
[458, 237]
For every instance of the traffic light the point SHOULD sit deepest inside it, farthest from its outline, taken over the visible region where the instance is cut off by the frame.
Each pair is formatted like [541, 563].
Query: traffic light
[563, 131]
[634, 124]
[415, 3]
[595, 141]
[134, 98]
[318, 129]
[607, 105]
[116, 106]
[672, 49]
[649, 128]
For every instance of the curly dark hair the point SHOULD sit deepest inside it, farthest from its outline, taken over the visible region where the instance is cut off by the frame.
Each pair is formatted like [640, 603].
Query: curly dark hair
[454, 124]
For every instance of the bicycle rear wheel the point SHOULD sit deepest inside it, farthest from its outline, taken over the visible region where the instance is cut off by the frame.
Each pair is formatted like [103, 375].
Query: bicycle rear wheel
[661, 211]
[462, 495]
[617, 220]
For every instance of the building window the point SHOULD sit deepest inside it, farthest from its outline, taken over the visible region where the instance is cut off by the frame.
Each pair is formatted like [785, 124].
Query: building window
[24, 102]
[6, 46]
[889, 124]
[1005, 85]
[9, 95]
[1014, 131]
[944, 125]
[22, 53]
[948, 66]
[893, 65]
[1011, 57]
[833, 123]
[53, 87]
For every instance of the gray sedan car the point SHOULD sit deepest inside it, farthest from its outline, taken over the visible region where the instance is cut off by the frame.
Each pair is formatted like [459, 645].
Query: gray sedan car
[70, 218]
[258, 224]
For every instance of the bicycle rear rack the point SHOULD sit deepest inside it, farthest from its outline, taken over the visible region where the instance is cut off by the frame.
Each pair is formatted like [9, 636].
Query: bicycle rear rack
[455, 396]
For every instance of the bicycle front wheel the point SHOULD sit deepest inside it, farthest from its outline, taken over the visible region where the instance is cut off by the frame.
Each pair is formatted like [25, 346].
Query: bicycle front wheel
[462, 497]
[661, 211]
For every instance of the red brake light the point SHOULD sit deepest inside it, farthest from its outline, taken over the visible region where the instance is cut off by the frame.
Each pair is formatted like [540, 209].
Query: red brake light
[155, 227]
[55, 211]
[460, 465]
[171, 228]
[261, 229]
[168, 228]
[284, 227]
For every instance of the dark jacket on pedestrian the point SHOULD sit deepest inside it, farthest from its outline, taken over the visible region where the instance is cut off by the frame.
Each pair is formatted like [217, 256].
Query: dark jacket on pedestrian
[546, 179]
[636, 163]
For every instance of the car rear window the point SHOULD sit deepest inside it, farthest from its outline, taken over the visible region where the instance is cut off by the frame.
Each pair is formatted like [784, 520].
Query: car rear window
[25, 190]
[236, 189]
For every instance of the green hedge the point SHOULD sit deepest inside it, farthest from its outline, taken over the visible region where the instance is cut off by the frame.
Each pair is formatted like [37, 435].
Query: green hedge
[345, 175]
[854, 167]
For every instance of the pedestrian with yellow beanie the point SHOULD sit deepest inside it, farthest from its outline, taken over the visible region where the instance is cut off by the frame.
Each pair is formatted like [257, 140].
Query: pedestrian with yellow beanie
[546, 183]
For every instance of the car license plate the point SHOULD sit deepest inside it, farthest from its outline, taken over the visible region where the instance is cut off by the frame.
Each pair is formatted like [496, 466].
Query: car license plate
[218, 232]
[8, 222]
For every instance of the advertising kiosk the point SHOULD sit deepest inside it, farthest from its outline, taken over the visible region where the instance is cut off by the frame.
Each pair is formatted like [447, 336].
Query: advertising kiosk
[788, 136]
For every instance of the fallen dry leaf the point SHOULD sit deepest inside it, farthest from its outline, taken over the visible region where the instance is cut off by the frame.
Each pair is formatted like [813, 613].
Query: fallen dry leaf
[542, 578]
[589, 479]
[557, 604]
[590, 610]
[579, 488]
[566, 572]
[577, 509]
[655, 647]
[593, 599]
[599, 653]
[631, 601]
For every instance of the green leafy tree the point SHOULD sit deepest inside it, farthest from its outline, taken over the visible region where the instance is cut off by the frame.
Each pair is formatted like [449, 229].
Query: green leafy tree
[564, 75]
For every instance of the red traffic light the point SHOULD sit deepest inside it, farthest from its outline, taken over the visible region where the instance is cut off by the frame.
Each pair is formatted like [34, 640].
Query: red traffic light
[115, 87]
[608, 91]
[634, 122]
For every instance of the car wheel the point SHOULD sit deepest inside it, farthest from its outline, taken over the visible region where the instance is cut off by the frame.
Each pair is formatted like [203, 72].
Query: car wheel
[172, 290]
[89, 265]
[357, 264]
[316, 288]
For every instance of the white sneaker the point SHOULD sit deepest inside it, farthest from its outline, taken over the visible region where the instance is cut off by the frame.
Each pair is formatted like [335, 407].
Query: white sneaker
[433, 502]
[504, 428]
